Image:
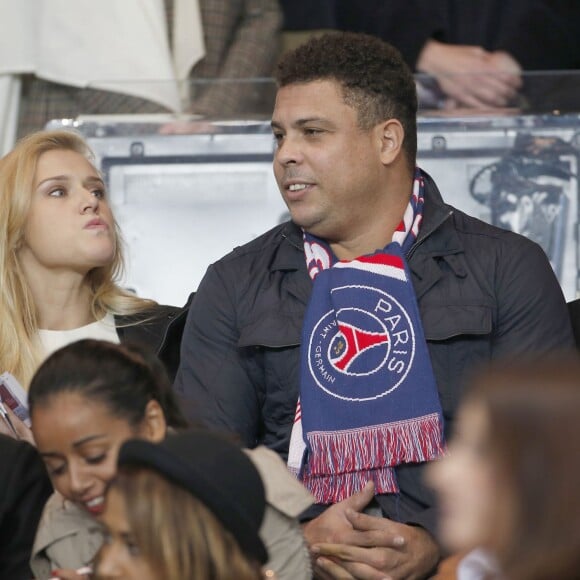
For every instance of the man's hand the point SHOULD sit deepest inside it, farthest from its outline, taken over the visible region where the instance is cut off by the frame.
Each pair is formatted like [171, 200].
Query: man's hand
[381, 549]
[333, 524]
[348, 544]
[471, 76]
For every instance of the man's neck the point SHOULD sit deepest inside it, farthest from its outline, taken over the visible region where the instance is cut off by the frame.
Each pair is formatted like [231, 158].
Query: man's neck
[378, 232]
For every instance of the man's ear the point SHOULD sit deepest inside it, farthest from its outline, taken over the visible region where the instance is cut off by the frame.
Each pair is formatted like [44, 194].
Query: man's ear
[391, 135]
[154, 425]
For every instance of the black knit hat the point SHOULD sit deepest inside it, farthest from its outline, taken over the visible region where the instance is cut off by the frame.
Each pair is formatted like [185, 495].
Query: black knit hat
[215, 471]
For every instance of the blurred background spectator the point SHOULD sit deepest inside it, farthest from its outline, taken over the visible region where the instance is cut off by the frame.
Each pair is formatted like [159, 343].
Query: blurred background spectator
[59, 59]
[241, 44]
[508, 490]
[454, 40]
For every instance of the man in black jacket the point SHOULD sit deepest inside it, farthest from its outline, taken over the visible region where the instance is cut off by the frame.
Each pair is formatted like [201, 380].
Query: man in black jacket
[345, 127]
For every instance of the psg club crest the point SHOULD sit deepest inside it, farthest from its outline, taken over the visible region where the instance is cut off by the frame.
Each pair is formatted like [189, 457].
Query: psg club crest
[358, 342]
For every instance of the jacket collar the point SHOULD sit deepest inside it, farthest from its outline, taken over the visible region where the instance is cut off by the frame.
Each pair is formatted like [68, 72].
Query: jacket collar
[428, 248]
[435, 213]
[289, 256]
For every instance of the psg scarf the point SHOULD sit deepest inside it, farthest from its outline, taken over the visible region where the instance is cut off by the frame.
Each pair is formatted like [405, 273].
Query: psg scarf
[368, 397]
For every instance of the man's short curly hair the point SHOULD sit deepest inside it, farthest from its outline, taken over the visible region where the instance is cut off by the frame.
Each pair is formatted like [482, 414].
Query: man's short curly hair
[375, 79]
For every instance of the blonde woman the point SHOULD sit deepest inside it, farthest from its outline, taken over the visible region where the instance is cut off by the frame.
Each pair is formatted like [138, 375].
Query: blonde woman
[61, 257]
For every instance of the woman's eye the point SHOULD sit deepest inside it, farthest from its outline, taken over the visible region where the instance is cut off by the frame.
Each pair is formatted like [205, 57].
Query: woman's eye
[96, 459]
[133, 548]
[100, 193]
[59, 192]
[55, 471]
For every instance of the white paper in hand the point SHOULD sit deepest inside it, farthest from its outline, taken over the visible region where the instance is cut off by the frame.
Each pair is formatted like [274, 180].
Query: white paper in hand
[14, 396]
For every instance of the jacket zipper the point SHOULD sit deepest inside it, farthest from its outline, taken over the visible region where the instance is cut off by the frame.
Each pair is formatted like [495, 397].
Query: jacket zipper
[435, 227]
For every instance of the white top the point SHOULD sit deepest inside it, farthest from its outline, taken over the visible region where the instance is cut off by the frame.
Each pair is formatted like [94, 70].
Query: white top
[103, 329]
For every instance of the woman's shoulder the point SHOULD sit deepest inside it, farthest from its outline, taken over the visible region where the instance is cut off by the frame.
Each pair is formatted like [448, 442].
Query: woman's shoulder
[283, 490]
[60, 518]
[159, 328]
[281, 532]
[67, 537]
[152, 314]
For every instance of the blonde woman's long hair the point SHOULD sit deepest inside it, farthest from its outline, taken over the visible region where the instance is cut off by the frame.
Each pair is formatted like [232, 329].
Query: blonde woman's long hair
[18, 314]
[176, 533]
